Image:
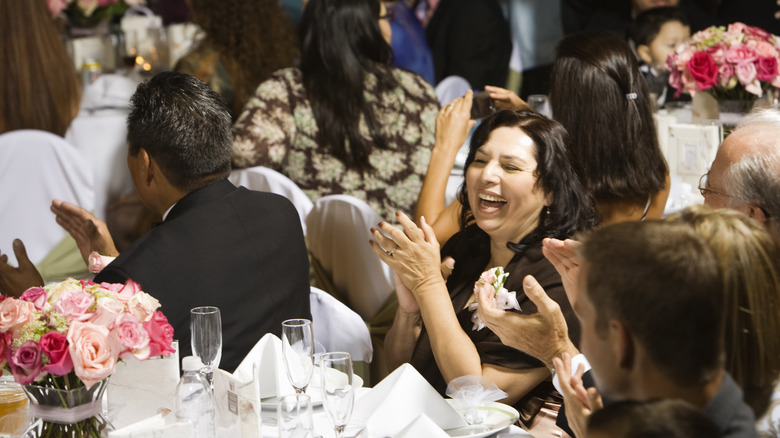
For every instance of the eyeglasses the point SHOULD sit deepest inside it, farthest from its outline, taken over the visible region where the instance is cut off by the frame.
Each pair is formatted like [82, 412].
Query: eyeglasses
[705, 191]
[389, 15]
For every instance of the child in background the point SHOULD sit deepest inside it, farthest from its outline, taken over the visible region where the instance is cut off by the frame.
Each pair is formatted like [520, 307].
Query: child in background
[655, 34]
[661, 418]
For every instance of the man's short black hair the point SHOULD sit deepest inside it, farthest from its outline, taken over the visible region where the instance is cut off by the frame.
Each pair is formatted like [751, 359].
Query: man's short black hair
[185, 126]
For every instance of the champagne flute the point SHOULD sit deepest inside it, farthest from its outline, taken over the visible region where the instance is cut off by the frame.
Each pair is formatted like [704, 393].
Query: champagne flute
[338, 394]
[298, 352]
[206, 330]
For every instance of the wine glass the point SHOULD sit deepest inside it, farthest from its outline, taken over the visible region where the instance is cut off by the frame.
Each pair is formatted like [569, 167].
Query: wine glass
[338, 394]
[206, 330]
[298, 352]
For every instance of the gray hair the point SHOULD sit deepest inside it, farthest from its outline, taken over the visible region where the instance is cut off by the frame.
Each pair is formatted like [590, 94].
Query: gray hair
[755, 178]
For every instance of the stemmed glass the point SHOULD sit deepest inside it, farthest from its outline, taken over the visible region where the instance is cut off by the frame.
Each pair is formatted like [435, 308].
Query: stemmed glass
[298, 352]
[206, 330]
[337, 392]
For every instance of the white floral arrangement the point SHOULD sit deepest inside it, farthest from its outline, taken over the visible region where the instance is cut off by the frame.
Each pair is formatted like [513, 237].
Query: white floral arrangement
[505, 300]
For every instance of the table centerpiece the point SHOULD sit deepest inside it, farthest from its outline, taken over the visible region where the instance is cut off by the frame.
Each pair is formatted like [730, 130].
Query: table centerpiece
[63, 341]
[736, 65]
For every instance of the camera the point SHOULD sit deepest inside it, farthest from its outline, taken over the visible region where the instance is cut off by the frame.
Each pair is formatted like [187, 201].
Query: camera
[482, 105]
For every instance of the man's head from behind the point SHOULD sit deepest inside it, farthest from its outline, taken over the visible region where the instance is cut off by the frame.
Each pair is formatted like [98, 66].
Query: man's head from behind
[184, 126]
[745, 174]
[650, 306]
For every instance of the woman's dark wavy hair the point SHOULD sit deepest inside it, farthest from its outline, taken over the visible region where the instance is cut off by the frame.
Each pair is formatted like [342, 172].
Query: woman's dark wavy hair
[254, 37]
[594, 77]
[557, 173]
[342, 43]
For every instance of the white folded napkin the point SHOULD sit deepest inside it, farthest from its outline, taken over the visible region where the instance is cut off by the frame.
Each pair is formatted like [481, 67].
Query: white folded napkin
[265, 365]
[139, 389]
[398, 400]
[422, 426]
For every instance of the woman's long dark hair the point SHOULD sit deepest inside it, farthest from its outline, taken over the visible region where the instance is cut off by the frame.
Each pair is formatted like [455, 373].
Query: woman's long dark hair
[342, 44]
[598, 94]
[557, 173]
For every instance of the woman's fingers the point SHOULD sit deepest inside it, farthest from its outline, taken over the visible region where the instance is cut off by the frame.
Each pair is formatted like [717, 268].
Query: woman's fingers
[384, 243]
[411, 230]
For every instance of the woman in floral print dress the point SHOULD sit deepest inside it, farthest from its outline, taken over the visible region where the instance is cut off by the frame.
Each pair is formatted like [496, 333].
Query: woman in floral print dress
[346, 122]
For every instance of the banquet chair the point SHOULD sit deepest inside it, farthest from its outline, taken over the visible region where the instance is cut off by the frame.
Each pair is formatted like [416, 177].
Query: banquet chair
[339, 328]
[36, 167]
[338, 234]
[450, 88]
[99, 131]
[264, 179]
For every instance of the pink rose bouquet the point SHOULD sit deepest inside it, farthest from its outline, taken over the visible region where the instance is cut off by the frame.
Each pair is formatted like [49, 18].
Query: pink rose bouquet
[738, 63]
[71, 334]
[88, 13]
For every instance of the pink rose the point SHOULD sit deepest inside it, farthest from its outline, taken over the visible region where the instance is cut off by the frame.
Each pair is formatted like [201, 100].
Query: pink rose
[5, 343]
[108, 309]
[132, 335]
[757, 32]
[106, 2]
[75, 304]
[55, 346]
[765, 49]
[15, 313]
[160, 335]
[488, 277]
[93, 352]
[55, 290]
[143, 305]
[35, 295]
[739, 53]
[746, 72]
[766, 68]
[703, 70]
[737, 28]
[56, 6]
[123, 292]
[26, 363]
[725, 73]
[717, 53]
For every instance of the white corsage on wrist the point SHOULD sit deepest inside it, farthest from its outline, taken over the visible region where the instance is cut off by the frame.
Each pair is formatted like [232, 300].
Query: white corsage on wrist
[505, 300]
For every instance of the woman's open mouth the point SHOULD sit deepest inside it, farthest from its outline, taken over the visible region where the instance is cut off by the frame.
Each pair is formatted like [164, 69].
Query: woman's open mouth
[490, 203]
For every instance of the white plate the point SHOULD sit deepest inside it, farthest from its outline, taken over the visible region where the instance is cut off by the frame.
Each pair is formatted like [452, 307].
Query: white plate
[313, 391]
[498, 417]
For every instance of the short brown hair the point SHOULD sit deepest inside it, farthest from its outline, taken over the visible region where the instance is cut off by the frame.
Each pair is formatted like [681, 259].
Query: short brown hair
[662, 281]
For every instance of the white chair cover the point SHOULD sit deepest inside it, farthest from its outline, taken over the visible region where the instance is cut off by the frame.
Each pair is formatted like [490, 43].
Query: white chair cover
[450, 88]
[338, 235]
[264, 179]
[100, 133]
[339, 328]
[36, 167]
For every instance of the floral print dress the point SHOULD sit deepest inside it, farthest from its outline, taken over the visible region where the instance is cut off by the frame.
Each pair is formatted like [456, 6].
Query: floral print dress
[277, 129]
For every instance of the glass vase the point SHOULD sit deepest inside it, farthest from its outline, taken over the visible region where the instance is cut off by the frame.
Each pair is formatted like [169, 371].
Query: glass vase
[730, 112]
[75, 412]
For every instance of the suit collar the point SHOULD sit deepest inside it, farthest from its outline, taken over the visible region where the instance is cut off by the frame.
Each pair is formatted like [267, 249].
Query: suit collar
[203, 195]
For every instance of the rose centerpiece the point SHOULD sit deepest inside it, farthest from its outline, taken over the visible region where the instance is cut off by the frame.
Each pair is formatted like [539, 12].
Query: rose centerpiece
[738, 64]
[63, 341]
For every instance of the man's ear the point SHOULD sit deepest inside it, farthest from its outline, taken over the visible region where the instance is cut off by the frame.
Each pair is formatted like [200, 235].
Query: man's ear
[147, 167]
[644, 54]
[756, 213]
[622, 344]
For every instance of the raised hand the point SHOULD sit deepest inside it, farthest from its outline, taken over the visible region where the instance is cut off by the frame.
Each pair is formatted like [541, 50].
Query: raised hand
[89, 232]
[580, 402]
[505, 99]
[563, 254]
[544, 335]
[14, 281]
[412, 253]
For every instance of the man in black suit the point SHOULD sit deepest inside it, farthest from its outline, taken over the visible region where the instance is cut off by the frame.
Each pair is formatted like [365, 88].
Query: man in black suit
[218, 245]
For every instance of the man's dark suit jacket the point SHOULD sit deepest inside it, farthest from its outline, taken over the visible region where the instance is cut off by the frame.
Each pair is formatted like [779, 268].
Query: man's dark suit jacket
[240, 250]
